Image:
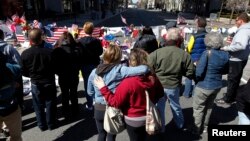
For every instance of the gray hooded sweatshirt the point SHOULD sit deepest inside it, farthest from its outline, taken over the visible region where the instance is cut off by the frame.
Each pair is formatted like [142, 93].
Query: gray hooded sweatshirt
[239, 49]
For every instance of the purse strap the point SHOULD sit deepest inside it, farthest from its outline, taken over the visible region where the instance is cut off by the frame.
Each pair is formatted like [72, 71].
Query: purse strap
[147, 99]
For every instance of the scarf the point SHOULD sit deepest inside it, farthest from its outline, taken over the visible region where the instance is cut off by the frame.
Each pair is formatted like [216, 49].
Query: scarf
[104, 68]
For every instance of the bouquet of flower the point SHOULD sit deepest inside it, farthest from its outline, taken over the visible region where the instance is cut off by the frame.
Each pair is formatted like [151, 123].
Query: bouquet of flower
[15, 21]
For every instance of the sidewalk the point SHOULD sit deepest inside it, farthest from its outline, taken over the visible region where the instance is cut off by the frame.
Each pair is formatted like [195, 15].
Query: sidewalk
[221, 22]
[80, 19]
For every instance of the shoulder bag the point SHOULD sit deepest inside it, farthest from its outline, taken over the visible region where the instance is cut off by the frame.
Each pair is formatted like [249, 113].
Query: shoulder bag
[153, 118]
[113, 120]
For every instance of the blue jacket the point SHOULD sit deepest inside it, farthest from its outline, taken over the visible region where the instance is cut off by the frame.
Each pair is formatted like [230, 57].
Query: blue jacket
[8, 99]
[210, 69]
[12, 54]
[112, 79]
[199, 45]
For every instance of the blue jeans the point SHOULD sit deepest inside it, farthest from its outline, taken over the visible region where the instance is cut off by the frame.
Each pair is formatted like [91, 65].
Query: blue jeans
[243, 118]
[86, 70]
[173, 96]
[44, 97]
[188, 91]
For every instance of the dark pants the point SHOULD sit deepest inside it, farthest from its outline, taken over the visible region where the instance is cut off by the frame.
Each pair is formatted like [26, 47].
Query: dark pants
[136, 133]
[69, 92]
[234, 76]
[86, 70]
[44, 96]
[19, 92]
[140, 134]
[102, 134]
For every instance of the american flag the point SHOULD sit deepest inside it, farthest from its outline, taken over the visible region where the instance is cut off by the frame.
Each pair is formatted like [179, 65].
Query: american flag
[23, 18]
[123, 20]
[11, 25]
[14, 17]
[117, 42]
[58, 31]
[97, 32]
[181, 20]
[8, 22]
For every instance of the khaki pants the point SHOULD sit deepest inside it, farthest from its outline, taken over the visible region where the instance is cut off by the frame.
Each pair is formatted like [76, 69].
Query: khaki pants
[14, 124]
[202, 107]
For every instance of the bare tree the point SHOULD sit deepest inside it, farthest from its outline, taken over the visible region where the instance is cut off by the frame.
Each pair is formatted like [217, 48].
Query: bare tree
[223, 2]
[236, 6]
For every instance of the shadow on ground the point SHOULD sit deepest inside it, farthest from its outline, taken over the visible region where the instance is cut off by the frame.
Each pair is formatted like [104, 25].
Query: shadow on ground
[82, 130]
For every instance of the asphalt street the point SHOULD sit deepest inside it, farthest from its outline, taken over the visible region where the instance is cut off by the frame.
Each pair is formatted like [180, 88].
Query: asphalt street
[83, 126]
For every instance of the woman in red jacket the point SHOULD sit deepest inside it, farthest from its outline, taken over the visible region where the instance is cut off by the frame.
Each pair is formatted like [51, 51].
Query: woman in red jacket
[130, 96]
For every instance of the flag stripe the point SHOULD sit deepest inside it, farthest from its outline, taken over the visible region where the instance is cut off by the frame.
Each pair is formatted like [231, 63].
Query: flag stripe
[59, 31]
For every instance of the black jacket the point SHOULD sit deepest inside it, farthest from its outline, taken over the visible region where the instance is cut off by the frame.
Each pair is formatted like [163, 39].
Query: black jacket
[91, 49]
[37, 64]
[147, 43]
[66, 59]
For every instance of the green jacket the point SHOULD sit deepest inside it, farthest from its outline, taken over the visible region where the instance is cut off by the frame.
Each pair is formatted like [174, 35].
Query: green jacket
[170, 64]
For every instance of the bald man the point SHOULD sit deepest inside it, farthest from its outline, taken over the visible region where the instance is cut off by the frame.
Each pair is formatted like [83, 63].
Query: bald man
[37, 64]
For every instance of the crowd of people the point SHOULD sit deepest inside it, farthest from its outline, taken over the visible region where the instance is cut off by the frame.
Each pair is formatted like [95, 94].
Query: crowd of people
[154, 66]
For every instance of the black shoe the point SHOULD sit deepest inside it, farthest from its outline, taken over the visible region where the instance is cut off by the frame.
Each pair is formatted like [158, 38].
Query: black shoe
[53, 126]
[43, 128]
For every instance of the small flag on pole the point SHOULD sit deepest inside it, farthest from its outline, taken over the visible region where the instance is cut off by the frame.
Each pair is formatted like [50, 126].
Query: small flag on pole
[8, 22]
[181, 20]
[14, 17]
[11, 25]
[123, 20]
[23, 18]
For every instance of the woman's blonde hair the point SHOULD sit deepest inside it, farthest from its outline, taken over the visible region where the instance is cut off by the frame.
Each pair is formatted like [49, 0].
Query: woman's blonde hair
[138, 57]
[112, 54]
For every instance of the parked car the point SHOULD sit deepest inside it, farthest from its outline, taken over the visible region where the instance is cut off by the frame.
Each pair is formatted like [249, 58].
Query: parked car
[132, 6]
